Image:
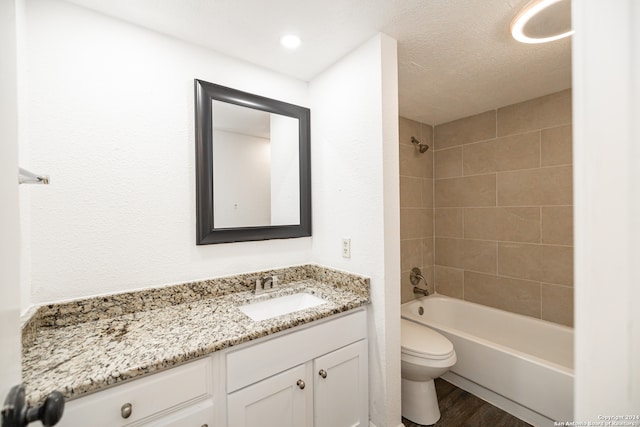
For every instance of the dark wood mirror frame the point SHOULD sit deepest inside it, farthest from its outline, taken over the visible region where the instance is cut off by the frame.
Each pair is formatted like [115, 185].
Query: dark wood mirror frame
[205, 93]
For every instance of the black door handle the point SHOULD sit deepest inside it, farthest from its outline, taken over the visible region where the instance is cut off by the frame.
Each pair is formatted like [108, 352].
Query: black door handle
[15, 412]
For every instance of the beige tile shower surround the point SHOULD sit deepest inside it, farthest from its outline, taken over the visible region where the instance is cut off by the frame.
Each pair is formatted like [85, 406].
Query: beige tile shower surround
[416, 204]
[502, 208]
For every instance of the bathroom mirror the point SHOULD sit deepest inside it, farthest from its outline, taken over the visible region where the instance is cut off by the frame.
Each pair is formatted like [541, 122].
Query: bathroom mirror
[253, 177]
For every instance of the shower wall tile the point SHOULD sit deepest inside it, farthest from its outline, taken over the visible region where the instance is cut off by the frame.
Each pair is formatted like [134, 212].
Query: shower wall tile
[480, 223]
[477, 190]
[521, 224]
[448, 252]
[480, 255]
[449, 222]
[502, 154]
[515, 295]
[426, 219]
[519, 188]
[517, 224]
[449, 281]
[448, 163]
[479, 158]
[520, 260]
[410, 254]
[414, 163]
[545, 263]
[557, 304]
[538, 113]
[557, 264]
[557, 146]
[412, 223]
[556, 185]
[542, 186]
[427, 193]
[504, 229]
[464, 131]
[428, 252]
[411, 190]
[518, 152]
[557, 225]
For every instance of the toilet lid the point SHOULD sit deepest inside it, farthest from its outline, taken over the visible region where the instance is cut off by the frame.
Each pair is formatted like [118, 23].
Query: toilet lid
[421, 340]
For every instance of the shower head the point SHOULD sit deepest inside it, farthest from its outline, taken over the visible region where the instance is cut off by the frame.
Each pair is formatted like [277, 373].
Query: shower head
[420, 146]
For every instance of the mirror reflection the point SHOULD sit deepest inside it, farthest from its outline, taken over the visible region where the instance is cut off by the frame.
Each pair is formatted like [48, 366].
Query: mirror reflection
[255, 167]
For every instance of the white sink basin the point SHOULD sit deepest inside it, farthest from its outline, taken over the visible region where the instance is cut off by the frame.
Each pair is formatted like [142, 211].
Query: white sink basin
[281, 305]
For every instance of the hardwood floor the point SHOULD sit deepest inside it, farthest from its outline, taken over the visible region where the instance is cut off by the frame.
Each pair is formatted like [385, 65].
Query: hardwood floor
[459, 408]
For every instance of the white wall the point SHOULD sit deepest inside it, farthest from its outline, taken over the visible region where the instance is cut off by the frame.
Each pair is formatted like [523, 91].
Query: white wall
[606, 88]
[356, 195]
[109, 115]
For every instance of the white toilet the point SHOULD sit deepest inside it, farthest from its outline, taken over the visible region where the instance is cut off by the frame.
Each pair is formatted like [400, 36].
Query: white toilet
[426, 355]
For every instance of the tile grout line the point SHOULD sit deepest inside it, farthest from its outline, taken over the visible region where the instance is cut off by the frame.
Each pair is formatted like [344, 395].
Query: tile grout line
[499, 172]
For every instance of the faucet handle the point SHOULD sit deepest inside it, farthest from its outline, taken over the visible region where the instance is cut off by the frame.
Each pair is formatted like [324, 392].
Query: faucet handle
[259, 286]
[415, 276]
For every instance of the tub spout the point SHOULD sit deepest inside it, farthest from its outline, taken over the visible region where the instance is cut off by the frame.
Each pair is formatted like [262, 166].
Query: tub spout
[417, 290]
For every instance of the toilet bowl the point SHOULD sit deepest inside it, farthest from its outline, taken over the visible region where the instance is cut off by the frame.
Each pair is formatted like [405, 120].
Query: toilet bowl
[425, 356]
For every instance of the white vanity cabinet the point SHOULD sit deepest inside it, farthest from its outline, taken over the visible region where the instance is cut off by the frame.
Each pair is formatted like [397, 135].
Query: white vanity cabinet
[178, 397]
[317, 376]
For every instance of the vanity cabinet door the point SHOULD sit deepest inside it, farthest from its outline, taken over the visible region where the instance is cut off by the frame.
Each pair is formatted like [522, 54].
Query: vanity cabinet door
[341, 387]
[283, 400]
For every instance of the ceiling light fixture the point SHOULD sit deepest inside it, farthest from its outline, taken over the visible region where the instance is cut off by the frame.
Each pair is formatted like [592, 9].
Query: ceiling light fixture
[553, 24]
[290, 41]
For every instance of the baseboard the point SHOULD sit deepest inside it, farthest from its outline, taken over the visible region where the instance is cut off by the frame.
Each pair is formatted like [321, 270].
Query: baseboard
[373, 425]
[507, 405]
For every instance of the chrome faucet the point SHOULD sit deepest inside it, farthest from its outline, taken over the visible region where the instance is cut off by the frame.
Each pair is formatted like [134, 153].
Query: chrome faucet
[415, 277]
[266, 284]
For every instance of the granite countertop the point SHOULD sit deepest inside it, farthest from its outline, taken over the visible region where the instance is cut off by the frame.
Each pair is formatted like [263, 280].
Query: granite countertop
[85, 346]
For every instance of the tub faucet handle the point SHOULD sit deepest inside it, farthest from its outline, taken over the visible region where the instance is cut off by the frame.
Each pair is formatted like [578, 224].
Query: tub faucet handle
[415, 277]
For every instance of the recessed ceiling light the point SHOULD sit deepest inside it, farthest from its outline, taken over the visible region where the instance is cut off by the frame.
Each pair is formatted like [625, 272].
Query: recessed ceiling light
[290, 41]
[543, 21]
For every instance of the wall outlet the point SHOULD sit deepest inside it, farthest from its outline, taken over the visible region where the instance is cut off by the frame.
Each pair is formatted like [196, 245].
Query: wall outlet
[346, 248]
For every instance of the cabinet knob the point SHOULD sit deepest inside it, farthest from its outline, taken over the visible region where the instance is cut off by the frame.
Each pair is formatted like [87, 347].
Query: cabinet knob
[301, 384]
[126, 410]
[17, 413]
[323, 373]
[204, 425]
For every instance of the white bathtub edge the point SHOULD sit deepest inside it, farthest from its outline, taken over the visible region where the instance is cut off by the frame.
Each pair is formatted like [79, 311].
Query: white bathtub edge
[507, 405]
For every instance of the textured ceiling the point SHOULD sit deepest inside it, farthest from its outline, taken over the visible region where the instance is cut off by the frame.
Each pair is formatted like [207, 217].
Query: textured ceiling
[456, 57]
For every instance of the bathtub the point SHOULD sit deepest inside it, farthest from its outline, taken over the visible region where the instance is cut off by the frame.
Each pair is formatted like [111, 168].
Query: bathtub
[520, 364]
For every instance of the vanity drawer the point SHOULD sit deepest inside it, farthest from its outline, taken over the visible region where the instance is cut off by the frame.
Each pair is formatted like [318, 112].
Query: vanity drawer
[252, 363]
[173, 388]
